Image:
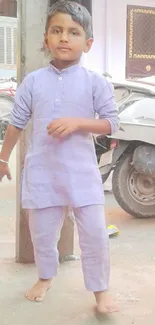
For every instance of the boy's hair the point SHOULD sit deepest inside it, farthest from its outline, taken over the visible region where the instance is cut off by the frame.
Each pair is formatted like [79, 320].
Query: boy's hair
[78, 13]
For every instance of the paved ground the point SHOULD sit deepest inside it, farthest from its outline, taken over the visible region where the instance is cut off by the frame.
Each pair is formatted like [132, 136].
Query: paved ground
[8, 212]
[67, 303]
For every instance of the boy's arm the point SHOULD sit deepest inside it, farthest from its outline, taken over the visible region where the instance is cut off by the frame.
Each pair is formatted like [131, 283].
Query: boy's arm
[11, 137]
[105, 107]
[95, 126]
[19, 118]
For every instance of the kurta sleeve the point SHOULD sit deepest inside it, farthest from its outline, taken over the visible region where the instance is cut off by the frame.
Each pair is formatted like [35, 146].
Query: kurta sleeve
[22, 109]
[104, 102]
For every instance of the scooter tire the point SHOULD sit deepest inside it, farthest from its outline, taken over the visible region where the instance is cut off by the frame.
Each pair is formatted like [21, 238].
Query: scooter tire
[122, 193]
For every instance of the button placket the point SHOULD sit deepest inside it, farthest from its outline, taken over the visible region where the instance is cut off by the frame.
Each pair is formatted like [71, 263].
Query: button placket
[58, 99]
[58, 96]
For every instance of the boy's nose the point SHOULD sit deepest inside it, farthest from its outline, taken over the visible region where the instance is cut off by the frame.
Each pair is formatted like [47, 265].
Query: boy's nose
[64, 37]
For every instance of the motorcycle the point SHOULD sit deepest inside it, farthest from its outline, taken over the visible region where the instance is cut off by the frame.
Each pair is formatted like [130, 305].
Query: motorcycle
[130, 152]
[6, 103]
[4, 122]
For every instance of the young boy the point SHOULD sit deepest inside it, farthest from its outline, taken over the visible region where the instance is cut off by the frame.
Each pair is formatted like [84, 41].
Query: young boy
[61, 166]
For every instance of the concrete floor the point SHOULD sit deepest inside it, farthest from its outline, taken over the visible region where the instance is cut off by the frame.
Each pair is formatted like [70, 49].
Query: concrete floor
[68, 303]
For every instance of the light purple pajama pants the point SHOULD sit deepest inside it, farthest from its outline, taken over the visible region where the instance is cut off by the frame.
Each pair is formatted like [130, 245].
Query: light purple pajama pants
[45, 226]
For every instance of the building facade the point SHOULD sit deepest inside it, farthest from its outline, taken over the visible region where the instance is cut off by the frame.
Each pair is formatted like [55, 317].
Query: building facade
[8, 46]
[8, 8]
[109, 52]
[8, 38]
[110, 33]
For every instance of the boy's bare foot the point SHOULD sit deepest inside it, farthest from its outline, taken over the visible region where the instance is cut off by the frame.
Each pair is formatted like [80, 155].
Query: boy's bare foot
[105, 304]
[38, 291]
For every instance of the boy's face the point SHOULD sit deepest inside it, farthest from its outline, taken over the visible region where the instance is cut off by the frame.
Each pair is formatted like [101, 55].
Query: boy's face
[66, 39]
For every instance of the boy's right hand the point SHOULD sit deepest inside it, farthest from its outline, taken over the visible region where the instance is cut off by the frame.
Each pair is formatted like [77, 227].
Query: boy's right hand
[4, 171]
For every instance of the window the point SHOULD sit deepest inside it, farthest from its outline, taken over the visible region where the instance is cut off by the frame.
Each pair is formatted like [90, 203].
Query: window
[8, 39]
[2, 56]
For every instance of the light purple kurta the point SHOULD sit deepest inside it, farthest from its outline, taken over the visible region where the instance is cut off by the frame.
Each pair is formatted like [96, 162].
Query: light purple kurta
[60, 173]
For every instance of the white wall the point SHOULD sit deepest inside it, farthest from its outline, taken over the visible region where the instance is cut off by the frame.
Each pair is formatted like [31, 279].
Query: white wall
[109, 50]
[95, 60]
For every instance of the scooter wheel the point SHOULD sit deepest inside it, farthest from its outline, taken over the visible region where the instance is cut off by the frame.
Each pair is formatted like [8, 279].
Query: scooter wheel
[134, 192]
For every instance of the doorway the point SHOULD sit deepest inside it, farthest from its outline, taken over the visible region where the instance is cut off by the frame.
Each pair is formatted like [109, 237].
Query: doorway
[140, 35]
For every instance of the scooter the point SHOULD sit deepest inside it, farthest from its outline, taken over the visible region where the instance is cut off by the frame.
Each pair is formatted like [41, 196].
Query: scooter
[130, 152]
[4, 122]
[6, 103]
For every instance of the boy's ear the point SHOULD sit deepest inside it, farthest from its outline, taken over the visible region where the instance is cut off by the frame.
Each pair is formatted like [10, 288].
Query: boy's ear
[45, 41]
[88, 45]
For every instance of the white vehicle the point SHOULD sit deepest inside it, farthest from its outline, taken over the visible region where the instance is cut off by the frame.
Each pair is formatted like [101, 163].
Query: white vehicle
[7, 93]
[130, 153]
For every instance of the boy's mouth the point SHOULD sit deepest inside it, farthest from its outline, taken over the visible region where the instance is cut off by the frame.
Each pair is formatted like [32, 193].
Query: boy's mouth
[64, 48]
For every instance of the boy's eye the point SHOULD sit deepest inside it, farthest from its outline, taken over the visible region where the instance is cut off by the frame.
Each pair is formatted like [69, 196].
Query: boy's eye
[74, 33]
[56, 31]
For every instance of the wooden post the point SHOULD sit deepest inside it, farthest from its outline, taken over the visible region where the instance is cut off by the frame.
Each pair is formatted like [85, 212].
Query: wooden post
[31, 23]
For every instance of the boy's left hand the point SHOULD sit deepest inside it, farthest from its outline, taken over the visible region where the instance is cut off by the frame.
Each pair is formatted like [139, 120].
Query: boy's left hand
[63, 127]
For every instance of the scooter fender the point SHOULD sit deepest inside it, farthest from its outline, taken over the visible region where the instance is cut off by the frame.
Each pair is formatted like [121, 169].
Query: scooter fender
[110, 158]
